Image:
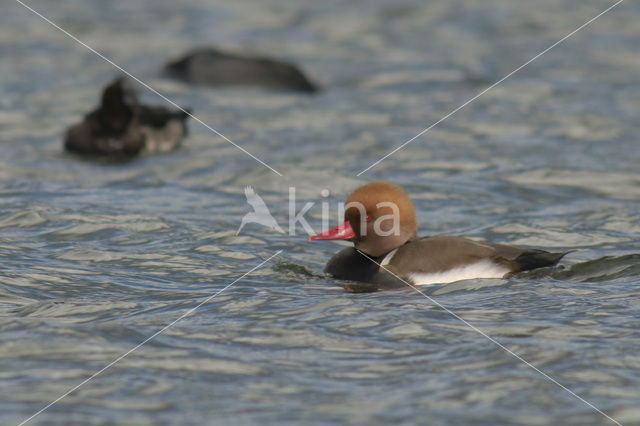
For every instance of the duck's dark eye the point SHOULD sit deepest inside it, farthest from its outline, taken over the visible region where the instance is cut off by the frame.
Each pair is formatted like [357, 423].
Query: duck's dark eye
[367, 218]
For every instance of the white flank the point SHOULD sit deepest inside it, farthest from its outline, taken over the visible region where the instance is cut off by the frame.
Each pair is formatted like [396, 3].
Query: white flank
[388, 257]
[482, 269]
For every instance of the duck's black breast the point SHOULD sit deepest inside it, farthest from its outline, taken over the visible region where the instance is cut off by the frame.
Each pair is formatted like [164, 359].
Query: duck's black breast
[352, 265]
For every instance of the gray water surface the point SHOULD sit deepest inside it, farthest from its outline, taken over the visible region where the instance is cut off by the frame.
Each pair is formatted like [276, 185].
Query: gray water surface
[95, 257]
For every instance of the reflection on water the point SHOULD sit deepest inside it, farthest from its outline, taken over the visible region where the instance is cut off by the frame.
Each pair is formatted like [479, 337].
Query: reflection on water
[97, 256]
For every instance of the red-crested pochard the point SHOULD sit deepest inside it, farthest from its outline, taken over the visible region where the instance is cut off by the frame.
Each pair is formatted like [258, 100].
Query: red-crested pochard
[381, 222]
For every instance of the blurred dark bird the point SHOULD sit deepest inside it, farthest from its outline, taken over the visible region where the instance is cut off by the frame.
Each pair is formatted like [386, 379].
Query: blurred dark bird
[213, 67]
[121, 126]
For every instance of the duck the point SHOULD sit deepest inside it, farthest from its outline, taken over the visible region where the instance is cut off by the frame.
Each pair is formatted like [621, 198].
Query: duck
[210, 66]
[380, 220]
[122, 127]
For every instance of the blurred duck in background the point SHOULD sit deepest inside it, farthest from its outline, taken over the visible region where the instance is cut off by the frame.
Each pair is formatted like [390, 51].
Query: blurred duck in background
[122, 127]
[213, 67]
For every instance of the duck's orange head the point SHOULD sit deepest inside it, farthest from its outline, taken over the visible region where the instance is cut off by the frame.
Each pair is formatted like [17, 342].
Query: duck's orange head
[379, 217]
